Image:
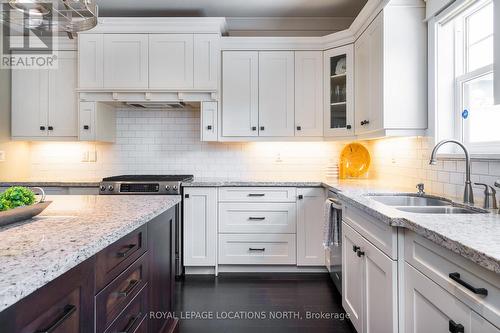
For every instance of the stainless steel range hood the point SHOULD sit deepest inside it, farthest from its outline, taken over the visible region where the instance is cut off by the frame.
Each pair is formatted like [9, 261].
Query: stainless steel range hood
[157, 105]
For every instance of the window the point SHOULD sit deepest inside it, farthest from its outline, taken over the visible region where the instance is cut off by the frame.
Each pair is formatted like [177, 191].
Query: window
[464, 84]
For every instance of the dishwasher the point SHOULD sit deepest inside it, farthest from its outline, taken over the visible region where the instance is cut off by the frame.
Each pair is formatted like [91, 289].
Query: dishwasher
[334, 251]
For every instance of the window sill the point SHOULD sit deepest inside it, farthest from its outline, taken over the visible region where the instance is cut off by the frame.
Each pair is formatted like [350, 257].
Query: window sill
[475, 157]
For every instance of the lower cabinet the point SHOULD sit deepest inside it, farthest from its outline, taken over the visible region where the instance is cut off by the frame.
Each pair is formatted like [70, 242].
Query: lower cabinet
[369, 284]
[113, 291]
[431, 309]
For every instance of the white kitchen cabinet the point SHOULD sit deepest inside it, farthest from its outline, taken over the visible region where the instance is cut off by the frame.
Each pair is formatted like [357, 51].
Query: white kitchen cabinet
[97, 122]
[44, 104]
[208, 121]
[200, 226]
[90, 60]
[369, 284]
[391, 74]
[276, 93]
[125, 61]
[339, 92]
[309, 93]
[310, 210]
[496, 53]
[171, 61]
[206, 61]
[240, 94]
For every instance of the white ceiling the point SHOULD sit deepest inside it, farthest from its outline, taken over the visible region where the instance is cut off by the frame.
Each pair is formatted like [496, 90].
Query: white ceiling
[231, 8]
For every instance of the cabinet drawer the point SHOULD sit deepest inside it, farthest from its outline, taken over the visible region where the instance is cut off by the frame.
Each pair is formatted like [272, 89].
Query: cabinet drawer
[235, 217]
[257, 249]
[113, 260]
[438, 263]
[382, 235]
[258, 194]
[133, 319]
[113, 299]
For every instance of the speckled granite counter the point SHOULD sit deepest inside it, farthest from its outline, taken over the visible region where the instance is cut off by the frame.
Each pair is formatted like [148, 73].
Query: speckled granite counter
[474, 236]
[218, 182]
[72, 229]
[51, 184]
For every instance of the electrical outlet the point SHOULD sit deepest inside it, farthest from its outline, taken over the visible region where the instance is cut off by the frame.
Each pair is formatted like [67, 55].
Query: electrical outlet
[92, 156]
[85, 156]
[2, 156]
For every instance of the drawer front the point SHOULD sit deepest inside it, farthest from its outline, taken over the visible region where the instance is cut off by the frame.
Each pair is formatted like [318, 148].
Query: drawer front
[438, 263]
[115, 297]
[113, 260]
[382, 235]
[258, 194]
[133, 319]
[257, 249]
[235, 217]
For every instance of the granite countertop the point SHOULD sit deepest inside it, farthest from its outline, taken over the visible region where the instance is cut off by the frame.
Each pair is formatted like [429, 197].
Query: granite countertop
[33, 183]
[72, 229]
[473, 236]
[226, 182]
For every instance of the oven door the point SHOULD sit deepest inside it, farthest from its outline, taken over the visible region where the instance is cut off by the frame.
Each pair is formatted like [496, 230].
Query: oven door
[334, 252]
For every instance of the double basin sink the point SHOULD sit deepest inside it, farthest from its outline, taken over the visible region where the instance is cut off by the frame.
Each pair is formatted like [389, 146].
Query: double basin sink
[424, 204]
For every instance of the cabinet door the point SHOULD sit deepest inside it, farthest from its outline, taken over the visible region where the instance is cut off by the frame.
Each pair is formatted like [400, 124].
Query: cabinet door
[369, 78]
[339, 91]
[276, 93]
[90, 60]
[310, 249]
[171, 61]
[209, 121]
[200, 226]
[240, 93]
[87, 123]
[481, 325]
[63, 110]
[308, 93]
[125, 61]
[352, 277]
[206, 61]
[380, 290]
[29, 102]
[428, 307]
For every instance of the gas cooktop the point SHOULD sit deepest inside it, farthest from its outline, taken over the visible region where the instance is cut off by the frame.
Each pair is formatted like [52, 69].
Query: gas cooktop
[143, 184]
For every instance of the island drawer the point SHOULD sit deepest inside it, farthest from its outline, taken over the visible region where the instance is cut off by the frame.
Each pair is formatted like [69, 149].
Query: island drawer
[258, 194]
[114, 259]
[134, 318]
[111, 301]
[247, 217]
[472, 284]
[257, 249]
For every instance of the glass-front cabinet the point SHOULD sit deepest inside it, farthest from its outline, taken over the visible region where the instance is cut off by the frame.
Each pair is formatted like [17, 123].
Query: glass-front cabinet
[339, 92]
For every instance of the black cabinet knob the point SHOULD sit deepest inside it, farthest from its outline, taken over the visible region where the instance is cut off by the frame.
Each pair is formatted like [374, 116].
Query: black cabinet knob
[42, 128]
[51, 128]
[360, 253]
[348, 127]
[209, 127]
[365, 122]
[262, 128]
[455, 328]
[299, 128]
[254, 128]
[86, 127]
[355, 248]
[186, 196]
[301, 197]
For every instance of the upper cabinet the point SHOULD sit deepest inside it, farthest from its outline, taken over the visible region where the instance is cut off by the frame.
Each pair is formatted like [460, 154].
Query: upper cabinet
[276, 93]
[339, 92]
[44, 105]
[149, 61]
[391, 74]
[309, 93]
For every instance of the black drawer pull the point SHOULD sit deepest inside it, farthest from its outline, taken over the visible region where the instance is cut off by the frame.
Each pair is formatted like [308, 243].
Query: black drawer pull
[262, 128]
[42, 128]
[360, 253]
[348, 127]
[51, 128]
[301, 196]
[86, 127]
[130, 287]
[131, 323]
[253, 218]
[126, 252]
[262, 249]
[456, 277]
[209, 127]
[68, 311]
[355, 248]
[254, 128]
[256, 194]
[365, 122]
[299, 128]
[455, 328]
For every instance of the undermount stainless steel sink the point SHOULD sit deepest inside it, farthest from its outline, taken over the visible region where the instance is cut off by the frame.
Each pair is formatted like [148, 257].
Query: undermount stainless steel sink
[441, 210]
[410, 200]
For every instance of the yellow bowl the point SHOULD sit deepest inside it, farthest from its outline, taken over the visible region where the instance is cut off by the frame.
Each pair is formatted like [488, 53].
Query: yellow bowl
[354, 161]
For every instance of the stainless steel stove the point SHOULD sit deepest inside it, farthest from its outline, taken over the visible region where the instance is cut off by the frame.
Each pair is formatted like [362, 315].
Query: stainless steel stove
[152, 184]
[143, 184]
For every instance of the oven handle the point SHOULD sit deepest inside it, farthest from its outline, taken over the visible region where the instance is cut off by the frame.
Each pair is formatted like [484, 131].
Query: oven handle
[335, 203]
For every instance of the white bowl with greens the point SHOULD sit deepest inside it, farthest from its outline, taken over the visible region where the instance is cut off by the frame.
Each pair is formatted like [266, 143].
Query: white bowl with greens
[19, 203]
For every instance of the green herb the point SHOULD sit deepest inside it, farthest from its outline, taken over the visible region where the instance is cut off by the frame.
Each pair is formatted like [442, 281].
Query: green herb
[16, 196]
